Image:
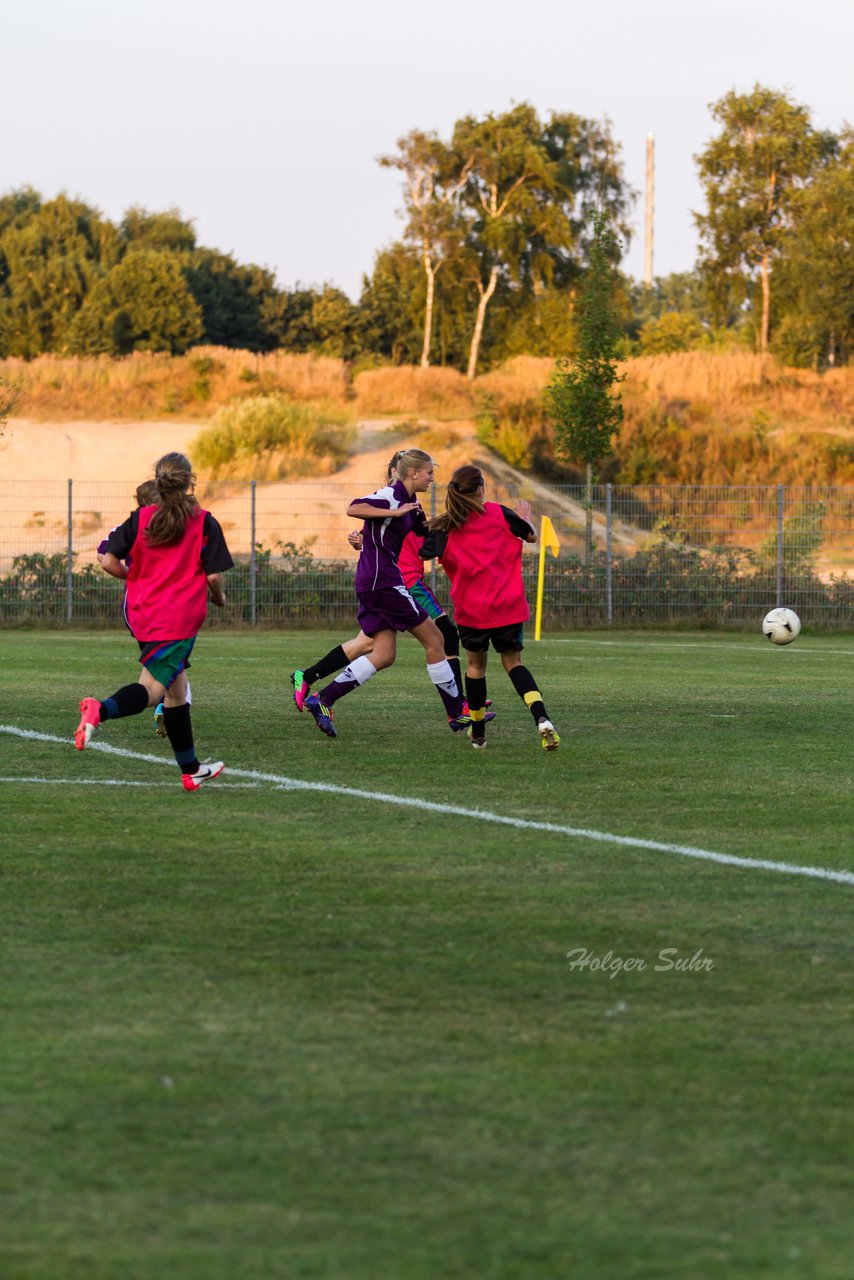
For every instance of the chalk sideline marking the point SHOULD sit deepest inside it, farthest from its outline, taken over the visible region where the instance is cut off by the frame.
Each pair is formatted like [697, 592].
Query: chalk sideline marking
[283, 783]
[121, 782]
[803, 652]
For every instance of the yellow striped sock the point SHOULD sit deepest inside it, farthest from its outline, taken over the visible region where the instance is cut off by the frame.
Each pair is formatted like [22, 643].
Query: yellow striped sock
[532, 696]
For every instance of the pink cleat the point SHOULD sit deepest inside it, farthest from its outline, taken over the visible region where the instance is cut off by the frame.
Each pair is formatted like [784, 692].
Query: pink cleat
[90, 718]
[301, 688]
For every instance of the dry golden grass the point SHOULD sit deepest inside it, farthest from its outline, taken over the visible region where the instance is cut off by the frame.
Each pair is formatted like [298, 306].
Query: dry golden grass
[147, 385]
[693, 417]
[432, 393]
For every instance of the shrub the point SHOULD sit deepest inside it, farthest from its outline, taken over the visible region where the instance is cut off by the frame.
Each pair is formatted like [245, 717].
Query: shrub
[271, 438]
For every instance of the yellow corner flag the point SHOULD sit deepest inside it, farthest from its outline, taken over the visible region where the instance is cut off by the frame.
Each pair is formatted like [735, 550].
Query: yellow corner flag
[548, 538]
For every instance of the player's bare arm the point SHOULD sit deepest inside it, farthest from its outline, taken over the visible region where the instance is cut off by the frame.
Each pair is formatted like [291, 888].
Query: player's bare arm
[362, 511]
[523, 509]
[216, 589]
[110, 564]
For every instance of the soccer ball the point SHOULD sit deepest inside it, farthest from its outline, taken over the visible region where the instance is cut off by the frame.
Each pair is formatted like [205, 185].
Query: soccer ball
[781, 626]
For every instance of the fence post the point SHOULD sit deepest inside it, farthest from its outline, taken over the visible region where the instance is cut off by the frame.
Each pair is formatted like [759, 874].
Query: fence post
[609, 585]
[69, 574]
[779, 545]
[252, 561]
[433, 517]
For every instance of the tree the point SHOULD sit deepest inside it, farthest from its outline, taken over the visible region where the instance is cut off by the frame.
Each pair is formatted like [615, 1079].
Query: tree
[816, 272]
[527, 197]
[51, 259]
[766, 151]
[672, 331]
[580, 398]
[434, 177]
[143, 304]
[391, 306]
[17, 207]
[334, 320]
[236, 301]
[166, 230]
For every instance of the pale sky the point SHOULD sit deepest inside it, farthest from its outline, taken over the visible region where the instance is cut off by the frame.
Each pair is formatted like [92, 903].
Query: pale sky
[262, 120]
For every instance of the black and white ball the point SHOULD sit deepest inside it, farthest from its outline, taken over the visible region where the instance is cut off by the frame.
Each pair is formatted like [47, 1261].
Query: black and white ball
[781, 626]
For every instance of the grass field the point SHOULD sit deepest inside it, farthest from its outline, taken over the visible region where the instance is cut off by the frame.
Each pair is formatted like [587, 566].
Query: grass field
[263, 1031]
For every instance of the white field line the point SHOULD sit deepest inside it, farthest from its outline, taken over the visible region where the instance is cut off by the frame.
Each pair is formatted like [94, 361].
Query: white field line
[766, 649]
[121, 782]
[283, 783]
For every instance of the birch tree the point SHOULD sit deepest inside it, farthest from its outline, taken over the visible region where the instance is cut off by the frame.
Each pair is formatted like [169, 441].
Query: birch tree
[434, 176]
[528, 196]
[765, 152]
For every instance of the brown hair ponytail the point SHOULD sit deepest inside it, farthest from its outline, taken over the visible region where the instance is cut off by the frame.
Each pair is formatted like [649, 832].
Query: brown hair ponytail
[173, 476]
[461, 500]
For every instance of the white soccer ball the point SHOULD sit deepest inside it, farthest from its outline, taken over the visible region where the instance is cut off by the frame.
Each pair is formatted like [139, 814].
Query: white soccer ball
[781, 626]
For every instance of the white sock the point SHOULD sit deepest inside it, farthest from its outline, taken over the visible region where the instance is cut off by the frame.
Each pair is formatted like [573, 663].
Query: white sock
[189, 695]
[360, 670]
[442, 675]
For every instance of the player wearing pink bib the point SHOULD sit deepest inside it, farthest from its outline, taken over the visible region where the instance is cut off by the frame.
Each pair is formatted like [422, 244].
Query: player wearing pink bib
[479, 545]
[411, 568]
[177, 554]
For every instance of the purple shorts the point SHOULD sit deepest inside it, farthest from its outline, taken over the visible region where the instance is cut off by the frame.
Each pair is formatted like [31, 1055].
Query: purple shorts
[388, 609]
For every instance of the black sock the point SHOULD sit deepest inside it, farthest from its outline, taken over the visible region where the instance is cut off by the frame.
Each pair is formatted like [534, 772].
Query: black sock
[335, 660]
[476, 695]
[176, 722]
[130, 700]
[450, 636]
[451, 644]
[526, 687]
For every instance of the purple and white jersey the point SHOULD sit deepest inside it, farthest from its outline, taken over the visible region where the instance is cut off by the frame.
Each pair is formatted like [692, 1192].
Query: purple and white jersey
[383, 538]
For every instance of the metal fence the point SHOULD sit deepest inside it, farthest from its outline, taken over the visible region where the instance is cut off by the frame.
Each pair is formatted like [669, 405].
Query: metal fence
[711, 556]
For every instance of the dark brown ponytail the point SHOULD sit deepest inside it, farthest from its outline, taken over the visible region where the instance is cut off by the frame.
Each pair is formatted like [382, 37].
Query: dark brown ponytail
[461, 500]
[173, 476]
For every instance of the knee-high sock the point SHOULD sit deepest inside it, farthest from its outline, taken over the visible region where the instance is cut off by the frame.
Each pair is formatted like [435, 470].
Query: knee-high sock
[450, 636]
[476, 692]
[359, 670]
[130, 700]
[451, 642]
[176, 722]
[333, 661]
[443, 678]
[526, 687]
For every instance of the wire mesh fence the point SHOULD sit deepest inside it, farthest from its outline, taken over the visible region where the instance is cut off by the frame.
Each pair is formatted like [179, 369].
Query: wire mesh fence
[656, 554]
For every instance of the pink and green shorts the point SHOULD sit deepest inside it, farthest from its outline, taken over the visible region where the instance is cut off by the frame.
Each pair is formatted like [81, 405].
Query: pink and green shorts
[166, 659]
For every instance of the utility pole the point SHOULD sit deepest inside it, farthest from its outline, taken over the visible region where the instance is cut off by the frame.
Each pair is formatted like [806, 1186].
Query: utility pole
[650, 193]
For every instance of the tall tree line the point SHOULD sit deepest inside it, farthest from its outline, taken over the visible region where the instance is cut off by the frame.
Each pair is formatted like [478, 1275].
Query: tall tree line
[494, 245]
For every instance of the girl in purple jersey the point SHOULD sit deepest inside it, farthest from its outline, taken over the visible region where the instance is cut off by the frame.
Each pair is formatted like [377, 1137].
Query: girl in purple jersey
[385, 605]
[411, 571]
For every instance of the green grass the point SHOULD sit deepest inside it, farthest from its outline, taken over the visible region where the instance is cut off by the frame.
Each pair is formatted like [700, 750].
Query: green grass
[256, 1033]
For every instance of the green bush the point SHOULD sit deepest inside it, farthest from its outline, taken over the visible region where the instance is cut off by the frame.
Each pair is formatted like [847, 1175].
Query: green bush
[272, 438]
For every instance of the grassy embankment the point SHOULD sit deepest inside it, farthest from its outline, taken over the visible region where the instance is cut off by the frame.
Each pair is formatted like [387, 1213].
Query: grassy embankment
[693, 418]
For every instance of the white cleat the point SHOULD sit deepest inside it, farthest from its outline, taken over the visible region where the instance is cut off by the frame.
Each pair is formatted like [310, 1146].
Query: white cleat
[549, 736]
[206, 771]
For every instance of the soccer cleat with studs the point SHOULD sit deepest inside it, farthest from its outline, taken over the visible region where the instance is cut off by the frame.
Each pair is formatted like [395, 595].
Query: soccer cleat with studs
[159, 726]
[207, 770]
[301, 688]
[322, 715]
[464, 721]
[549, 736]
[90, 718]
